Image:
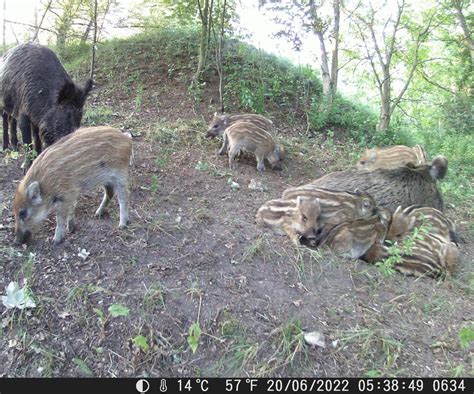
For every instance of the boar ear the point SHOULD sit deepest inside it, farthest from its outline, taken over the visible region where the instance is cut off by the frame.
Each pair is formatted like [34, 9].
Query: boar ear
[87, 88]
[68, 93]
[33, 193]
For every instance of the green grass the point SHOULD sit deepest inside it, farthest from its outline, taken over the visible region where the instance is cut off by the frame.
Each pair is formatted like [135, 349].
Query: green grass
[97, 116]
[375, 346]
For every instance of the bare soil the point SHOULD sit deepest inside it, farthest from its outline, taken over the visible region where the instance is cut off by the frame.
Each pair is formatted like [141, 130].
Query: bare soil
[193, 253]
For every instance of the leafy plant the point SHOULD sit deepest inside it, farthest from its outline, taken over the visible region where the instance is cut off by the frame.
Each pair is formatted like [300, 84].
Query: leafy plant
[141, 342]
[117, 310]
[17, 297]
[83, 367]
[396, 250]
[193, 336]
[466, 336]
[10, 155]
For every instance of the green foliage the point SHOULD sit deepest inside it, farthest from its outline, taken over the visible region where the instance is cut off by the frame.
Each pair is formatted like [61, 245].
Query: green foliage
[396, 251]
[83, 367]
[466, 336]
[10, 155]
[141, 342]
[193, 336]
[117, 310]
[259, 82]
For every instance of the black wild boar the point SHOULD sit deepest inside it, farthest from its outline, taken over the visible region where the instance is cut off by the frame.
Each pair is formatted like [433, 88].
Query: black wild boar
[405, 186]
[35, 86]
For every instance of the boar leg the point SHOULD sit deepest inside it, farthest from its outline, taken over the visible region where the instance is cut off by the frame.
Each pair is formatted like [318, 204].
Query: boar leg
[14, 133]
[6, 141]
[232, 153]
[36, 138]
[225, 145]
[108, 195]
[61, 220]
[260, 165]
[25, 128]
[122, 194]
[71, 223]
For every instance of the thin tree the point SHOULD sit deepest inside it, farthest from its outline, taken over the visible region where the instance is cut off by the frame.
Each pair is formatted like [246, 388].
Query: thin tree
[329, 68]
[94, 40]
[322, 21]
[4, 24]
[205, 10]
[38, 28]
[458, 6]
[219, 39]
[380, 49]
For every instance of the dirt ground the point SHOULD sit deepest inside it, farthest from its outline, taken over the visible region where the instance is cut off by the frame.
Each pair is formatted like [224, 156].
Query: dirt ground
[193, 253]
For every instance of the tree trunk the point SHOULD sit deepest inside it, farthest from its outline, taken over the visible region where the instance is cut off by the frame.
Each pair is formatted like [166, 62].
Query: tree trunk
[325, 74]
[465, 28]
[4, 17]
[204, 41]
[335, 52]
[94, 42]
[329, 73]
[220, 66]
[385, 98]
[86, 33]
[38, 28]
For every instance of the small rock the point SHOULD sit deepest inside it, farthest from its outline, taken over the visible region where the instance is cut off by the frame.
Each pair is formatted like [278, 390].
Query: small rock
[256, 185]
[315, 338]
[83, 254]
[234, 186]
[178, 219]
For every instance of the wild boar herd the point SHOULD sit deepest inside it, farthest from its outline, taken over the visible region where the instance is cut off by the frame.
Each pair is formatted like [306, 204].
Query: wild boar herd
[359, 212]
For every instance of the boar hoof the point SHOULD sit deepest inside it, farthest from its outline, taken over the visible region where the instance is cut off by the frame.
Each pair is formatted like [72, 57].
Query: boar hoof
[57, 241]
[101, 214]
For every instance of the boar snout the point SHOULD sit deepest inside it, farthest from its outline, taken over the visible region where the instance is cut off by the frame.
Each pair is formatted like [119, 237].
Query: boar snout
[211, 133]
[22, 237]
[277, 166]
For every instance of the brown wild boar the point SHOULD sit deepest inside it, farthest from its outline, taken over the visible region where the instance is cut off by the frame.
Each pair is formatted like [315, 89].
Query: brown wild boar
[409, 185]
[353, 238]
[392, 157]
[79, 162]
[405, 220]
[251, 138]
[432, 256]
[336, 206]
[221, 122]
[297, 218]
